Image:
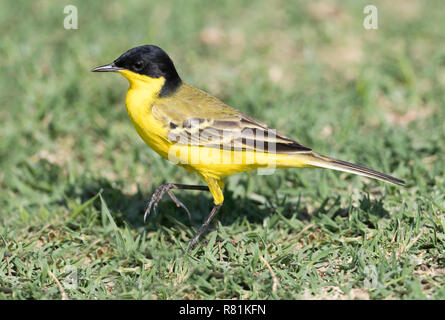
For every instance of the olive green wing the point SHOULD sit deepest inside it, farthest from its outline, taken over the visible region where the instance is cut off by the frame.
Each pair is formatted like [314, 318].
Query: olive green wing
[194, 117]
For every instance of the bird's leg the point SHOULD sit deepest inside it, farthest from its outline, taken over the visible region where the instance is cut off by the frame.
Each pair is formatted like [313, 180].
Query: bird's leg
[166, 188]
[204, 226]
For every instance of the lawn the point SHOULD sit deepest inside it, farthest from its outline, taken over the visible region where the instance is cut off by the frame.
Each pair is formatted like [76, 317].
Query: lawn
[75, 176]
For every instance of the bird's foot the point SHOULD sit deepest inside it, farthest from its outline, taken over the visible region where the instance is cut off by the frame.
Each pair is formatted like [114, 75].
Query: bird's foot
[157, 196]
[194, 242]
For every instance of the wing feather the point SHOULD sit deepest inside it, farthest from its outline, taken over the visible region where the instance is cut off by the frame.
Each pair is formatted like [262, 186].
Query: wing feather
[194, 117]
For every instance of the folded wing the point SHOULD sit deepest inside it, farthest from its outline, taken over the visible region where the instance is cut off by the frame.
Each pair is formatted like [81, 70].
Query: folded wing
[193, 117]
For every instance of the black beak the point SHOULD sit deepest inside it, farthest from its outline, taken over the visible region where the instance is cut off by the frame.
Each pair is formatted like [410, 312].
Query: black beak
[107, 68]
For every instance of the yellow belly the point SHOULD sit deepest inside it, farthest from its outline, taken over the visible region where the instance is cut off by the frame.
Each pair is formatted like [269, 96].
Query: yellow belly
[220, 163]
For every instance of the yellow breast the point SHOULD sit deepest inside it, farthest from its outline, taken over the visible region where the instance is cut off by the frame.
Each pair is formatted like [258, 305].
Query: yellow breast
[141, 95]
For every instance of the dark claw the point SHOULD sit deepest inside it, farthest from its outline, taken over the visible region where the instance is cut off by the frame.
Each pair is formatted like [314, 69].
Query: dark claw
[206, 242]
[192, 244]
[157, 196]
[179, 203]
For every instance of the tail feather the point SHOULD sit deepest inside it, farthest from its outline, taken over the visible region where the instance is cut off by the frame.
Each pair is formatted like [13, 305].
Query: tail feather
[321, 161]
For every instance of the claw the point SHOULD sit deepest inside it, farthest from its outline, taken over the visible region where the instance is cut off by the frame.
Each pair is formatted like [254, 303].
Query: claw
[157, 196]
[179, 203]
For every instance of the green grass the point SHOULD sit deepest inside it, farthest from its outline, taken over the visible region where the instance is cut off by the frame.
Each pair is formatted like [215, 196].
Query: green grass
[74, 175]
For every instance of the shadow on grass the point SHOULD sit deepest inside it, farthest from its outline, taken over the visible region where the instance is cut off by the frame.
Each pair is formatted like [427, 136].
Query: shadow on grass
[129, 208]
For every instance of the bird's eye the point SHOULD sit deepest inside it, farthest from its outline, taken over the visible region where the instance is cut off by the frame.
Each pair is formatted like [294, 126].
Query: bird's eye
[138, 65]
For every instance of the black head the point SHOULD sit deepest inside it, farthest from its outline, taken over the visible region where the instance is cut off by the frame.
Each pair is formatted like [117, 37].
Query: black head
[149, 61]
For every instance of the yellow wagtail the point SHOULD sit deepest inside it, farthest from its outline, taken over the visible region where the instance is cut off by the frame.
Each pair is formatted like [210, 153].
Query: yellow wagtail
[202, 134]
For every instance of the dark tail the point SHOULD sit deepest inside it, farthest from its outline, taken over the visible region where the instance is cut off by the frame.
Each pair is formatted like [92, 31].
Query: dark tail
[321, 161]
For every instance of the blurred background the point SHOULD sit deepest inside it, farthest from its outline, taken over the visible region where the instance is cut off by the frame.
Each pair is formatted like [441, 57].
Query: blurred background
[308, 68]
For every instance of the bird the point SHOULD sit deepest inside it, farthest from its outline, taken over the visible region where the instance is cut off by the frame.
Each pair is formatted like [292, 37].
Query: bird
[205, 136]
